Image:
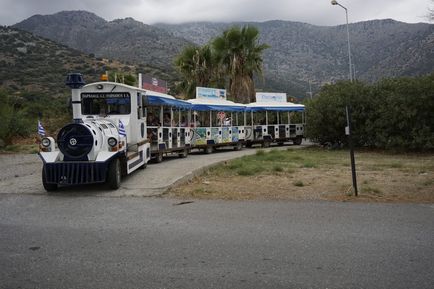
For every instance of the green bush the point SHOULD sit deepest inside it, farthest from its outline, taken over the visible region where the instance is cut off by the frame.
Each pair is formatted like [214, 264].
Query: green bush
[391, 114]
[14, 121]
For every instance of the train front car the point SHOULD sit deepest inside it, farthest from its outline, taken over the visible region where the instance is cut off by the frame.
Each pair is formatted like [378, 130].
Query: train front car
[106, 140]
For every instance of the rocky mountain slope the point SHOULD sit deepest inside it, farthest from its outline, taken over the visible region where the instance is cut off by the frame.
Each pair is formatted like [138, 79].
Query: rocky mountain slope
[300, 53]
[123, 39]
[29, 63]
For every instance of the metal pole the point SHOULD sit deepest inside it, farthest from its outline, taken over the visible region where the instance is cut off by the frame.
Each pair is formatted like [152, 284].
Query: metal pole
[334, 2]
[349, 47]
[350, 142]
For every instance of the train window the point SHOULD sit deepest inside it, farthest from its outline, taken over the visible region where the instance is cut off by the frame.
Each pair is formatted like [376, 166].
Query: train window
[259, 118]
[283, 117]
[105, 103]
[185, 121]
[272, 117]
[248, 118]
[202, 119]
[176, 116]
[153, 116]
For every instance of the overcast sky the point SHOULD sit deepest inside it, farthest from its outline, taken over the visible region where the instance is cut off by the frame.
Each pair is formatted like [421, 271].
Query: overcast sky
[318, 12]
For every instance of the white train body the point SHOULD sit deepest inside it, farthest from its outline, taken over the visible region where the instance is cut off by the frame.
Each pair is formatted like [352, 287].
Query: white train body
[117, 129]
[106, 140]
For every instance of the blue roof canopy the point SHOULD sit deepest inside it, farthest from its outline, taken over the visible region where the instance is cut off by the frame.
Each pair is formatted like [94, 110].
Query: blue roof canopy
[274, 108]
[157, 100]
[207, 107]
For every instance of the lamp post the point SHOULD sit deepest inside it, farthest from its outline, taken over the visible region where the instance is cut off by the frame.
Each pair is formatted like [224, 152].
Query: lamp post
[348, 108]
[334, 2]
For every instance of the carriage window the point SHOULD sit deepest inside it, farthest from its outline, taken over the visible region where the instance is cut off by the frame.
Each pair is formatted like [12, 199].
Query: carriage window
[153, 116]
[283, 117]
[259, 118]
[106, 103]
[272, 117]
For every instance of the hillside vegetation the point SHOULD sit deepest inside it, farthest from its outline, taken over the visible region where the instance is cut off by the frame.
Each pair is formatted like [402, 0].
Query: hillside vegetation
[32, 75]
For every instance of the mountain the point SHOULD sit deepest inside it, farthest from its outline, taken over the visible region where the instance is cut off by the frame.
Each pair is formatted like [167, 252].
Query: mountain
[29, 63]
[302, 53]
[123, 39]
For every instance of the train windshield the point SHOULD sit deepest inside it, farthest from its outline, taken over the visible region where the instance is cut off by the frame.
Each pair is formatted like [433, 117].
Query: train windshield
[105, 103]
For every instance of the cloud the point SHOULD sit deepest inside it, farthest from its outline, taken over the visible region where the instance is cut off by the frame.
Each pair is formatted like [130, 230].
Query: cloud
[318, 12]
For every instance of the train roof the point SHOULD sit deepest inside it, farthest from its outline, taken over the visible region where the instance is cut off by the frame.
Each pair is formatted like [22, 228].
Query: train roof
[274, 106]
[214, 104]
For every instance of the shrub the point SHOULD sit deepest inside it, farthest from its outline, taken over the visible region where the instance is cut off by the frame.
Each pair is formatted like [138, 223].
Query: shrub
[391, 114]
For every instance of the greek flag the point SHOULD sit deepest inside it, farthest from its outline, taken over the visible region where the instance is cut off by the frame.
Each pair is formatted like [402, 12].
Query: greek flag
[122, 131]
[41, 130]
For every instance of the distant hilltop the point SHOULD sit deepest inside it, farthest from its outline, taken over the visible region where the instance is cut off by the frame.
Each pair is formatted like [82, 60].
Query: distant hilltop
[300, 53]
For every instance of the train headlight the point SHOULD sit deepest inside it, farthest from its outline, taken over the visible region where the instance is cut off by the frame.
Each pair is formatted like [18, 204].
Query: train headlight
[45, 142]
[112, 142]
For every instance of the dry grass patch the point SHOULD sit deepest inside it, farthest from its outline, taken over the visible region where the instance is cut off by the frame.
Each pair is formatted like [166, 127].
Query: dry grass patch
[316, 174]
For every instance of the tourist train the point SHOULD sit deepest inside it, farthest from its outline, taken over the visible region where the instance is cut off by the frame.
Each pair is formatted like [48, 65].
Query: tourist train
[118, 129]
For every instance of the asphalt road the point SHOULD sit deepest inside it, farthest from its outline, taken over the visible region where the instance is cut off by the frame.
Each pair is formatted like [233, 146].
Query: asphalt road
[21, 174]
[70, 241]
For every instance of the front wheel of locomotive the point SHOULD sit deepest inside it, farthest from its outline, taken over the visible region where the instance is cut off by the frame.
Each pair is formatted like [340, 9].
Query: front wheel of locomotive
[114, 174]
[49, 187]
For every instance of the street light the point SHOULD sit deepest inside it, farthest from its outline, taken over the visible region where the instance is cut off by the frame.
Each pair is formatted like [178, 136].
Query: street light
[348, 109]
[334, 2]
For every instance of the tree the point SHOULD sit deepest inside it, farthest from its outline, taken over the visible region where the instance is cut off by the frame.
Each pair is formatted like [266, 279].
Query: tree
[14, 119]
[239, 55]
[197, 67]
[391, 114]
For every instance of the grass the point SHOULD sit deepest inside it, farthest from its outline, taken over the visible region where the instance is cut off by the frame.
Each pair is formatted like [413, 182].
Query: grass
[298, 184]
[267, 163]
[371, 190]
[21, 148]
[315, 173]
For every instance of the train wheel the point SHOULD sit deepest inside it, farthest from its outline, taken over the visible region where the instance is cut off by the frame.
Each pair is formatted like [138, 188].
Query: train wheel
[209, 150]
[297, 141]
[184, 153]
[47, 186]
[159, 158]
[114, 175]
[280, 144]
[238, 146]
[266, 144]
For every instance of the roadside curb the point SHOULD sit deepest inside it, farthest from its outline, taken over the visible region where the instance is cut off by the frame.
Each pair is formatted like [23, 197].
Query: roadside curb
[191, 175]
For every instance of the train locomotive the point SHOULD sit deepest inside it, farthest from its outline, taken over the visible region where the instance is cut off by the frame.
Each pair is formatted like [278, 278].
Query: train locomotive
[107, 139]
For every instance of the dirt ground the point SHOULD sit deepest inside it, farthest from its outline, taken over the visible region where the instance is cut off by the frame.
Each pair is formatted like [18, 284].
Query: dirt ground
[380, 177]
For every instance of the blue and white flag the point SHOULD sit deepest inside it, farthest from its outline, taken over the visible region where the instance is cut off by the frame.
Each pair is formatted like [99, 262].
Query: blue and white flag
[122, 131]
[41, 130]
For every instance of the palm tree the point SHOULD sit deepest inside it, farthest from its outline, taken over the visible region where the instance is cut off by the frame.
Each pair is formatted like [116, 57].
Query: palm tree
[196, 67]
[239, 54]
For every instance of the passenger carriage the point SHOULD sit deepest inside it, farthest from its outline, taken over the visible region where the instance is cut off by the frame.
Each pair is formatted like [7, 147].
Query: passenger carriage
[216, 121]
[272, 119]
[168, 125]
